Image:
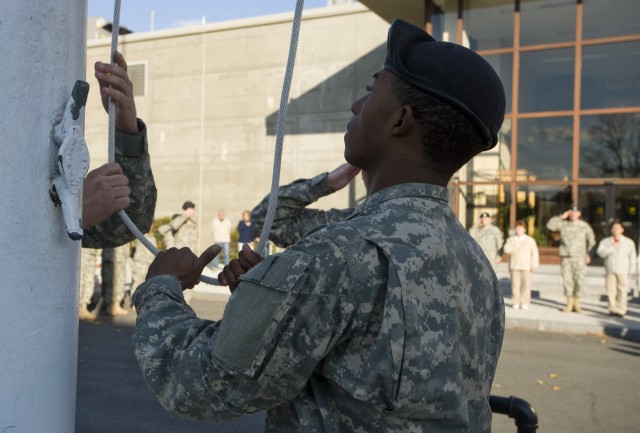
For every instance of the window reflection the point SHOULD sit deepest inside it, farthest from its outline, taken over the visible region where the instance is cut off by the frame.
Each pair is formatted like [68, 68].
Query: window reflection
[545, 148]
[443, 20]
[536, 205]
[547, 21]
[488, 23]
[546, 80]
[610, 146]
[598, 16]
[493, 164]
[483, 198]
[611, 75]
[503, 65]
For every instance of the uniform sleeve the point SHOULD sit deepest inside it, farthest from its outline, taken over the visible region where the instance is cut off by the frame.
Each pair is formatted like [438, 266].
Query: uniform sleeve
[283, 318]
[177, 222]
[292, 219]
[591, 238]
[499, 242]
[474, 232]
[131, 152]
[555, 223]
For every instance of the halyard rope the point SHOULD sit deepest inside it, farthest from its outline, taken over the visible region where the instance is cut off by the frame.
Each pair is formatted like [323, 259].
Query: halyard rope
[282, 114]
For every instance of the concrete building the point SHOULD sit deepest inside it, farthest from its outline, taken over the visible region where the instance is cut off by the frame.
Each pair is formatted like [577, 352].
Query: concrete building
[571, 70]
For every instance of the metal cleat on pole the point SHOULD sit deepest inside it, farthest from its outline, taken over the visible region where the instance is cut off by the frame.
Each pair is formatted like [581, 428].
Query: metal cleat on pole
[73, 161]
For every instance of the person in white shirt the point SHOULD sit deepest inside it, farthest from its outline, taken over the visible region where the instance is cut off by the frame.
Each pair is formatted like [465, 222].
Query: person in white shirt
[620, 260]
[221, 228]
[523, 259]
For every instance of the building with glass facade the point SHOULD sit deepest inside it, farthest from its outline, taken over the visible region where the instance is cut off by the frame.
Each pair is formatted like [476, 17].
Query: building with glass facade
[571, 71]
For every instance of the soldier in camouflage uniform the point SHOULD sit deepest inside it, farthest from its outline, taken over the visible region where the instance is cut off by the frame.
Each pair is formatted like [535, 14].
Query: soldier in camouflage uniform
[182, 230]
[114, 272]
[489, 237]
[104, 192]
[389, 320]
[184, 227]
[141, 259]
[576, 241]
[89, 259]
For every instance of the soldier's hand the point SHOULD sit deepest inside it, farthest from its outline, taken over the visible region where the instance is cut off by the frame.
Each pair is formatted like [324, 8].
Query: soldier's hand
[341, 176]
[247, 259]
[587, 259]
[565, 215]
[115, 83]
[183, 264]
[105, 191]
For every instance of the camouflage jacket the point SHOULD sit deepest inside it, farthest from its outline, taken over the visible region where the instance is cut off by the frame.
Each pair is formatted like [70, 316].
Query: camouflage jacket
[131, 152]
[576, 238]
[490, 240]
[391, 320]
[292, 219]
[185, 232]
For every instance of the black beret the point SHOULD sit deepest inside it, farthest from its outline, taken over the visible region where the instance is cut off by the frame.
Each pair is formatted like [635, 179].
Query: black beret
[484, 215]
[450, 72]
[187, 205]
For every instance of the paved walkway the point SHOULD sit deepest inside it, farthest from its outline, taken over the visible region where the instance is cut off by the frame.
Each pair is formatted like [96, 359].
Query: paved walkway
[544, 314]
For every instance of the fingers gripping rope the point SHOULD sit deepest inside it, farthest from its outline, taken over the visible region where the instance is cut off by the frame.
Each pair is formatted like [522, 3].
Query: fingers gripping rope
[282, 114]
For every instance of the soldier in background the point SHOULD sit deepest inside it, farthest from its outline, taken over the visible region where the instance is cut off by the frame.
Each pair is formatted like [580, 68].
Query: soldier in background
[90, 259]
[141, 258]
[114, 273]
[489, 237]
[182, 230]
[576, 240]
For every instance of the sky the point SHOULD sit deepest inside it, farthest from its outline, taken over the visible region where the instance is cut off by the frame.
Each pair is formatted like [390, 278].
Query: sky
[136, 15]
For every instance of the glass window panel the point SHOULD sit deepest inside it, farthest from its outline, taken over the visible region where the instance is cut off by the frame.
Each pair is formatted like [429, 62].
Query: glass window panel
[611, 75]
[544, 148]
[503, 65]
[444, 19]
[488, 24]
[601, 204]
[475, 199]
[493, 164]
[593, 207]
[536, 205]
[546, 80]
[547, 21]
[626, 204]
[603, 18]
[610, 146]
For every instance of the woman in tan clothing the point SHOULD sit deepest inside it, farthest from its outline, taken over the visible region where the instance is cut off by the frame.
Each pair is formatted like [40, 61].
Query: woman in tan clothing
[523, 259]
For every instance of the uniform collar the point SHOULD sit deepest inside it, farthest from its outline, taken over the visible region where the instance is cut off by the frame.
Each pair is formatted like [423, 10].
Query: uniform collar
[403, 190]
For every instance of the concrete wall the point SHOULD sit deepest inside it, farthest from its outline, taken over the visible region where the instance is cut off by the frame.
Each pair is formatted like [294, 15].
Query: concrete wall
[212, 97]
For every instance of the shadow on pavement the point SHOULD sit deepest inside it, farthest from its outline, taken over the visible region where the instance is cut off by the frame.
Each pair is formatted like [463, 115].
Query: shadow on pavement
[112, 396]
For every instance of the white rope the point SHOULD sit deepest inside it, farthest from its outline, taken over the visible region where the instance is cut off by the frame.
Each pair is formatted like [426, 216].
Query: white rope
[282, 116]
